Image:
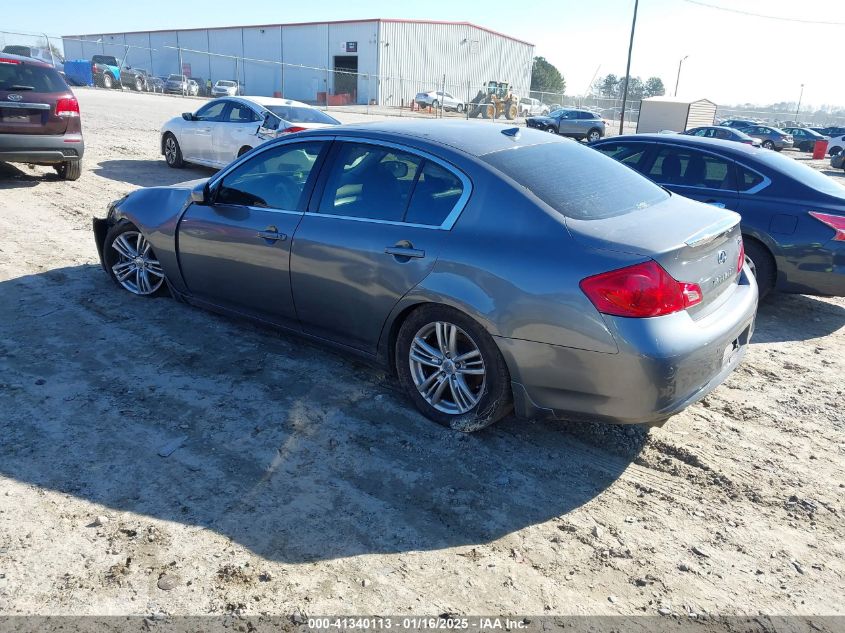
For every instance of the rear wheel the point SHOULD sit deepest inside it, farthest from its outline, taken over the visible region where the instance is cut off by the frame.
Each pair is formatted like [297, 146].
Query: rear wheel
[131, 261]
[108, 81]
[593, 135]
[435, 104]
[833, 151]
[172, 152]
[762, 264]
[69, 169]
[768, 145]
[451, 368]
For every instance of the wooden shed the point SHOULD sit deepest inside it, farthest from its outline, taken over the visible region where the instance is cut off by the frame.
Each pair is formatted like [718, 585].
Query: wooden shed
[673, 113]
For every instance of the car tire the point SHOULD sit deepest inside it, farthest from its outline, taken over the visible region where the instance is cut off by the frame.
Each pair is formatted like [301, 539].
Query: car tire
[108, 81]
[594, 135]
[435, 104]
[762, 265]
[833, 151]
[452, 393]
[172, 152]
[139, 85]
[768, 145]
[69, 169]
[460, 108]
[243, 150]
[132, 263]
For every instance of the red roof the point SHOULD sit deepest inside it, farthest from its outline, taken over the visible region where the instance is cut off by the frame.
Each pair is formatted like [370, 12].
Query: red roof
[258, 26]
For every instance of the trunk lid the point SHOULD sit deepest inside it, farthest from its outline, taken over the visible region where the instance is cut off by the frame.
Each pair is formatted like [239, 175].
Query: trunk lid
[29, 94]
[693, 242]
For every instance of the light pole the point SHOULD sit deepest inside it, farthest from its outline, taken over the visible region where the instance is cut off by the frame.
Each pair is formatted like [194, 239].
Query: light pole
[801, 96]
[678, 80]
[628, 69]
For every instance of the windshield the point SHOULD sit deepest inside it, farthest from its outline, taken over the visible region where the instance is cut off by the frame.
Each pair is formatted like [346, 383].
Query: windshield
[302, 114]
[226, 84]
[577, 181]
[175, 78]
[804, 174]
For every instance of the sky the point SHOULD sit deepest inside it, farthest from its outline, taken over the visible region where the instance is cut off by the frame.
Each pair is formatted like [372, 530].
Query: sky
[731, 59]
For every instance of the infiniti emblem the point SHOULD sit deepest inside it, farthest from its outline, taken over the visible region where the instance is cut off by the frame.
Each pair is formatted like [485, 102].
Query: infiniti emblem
[722, 257]
[14, 97]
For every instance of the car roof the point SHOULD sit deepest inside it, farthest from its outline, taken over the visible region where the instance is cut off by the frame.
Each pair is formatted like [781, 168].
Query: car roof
[722, 146]
[272, 101]
[25, 60]
[476, 138]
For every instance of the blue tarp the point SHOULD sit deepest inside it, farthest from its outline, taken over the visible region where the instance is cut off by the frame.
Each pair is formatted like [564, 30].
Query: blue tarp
[78, 72]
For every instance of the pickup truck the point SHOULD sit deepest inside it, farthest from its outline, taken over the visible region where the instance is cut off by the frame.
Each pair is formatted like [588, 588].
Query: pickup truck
[108, 73]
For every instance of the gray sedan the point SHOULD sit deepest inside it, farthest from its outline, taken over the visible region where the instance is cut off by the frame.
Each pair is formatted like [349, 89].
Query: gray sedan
[489, 268]
[770, 137]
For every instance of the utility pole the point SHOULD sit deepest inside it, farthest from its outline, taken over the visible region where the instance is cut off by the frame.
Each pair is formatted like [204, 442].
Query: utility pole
[801, 96]
[628, 69]
[678, 80]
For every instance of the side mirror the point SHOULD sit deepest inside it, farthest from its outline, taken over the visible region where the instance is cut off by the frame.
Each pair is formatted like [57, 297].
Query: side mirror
[188, 116]
[200, 194]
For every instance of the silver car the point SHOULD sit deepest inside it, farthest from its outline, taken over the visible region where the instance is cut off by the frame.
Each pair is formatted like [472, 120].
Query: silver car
[579, 124]
[226, 88]
[770, 137]
[490, 268]
[435, 98]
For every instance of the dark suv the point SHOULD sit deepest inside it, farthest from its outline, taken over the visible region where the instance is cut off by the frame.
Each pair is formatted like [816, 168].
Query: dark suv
[39, 117]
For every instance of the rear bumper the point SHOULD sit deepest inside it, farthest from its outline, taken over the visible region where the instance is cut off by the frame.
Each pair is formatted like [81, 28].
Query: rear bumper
[41, 148]
[663, 365]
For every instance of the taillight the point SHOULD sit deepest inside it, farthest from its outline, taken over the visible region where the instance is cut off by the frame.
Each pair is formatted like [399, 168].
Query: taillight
[292, 129]
[67, 107]
[6, 60]
[740, 262]
[836, 222]
[642, 290]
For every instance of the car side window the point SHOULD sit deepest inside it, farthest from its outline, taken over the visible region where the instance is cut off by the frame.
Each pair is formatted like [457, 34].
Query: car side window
[688, 168]
[241, 113]
[211, 112]
[370, 181]
[274, 179]
[630, 155]
[435, 194]
[748, 179]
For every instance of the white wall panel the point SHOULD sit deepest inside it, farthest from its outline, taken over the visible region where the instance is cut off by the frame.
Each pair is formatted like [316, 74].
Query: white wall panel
[305, 45]
[262, 43]
[165, 60]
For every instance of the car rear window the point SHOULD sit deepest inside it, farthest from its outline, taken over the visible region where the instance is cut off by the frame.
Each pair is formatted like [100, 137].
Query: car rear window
[577, 181]
[804, 174]
[296, 114]
[30, 77]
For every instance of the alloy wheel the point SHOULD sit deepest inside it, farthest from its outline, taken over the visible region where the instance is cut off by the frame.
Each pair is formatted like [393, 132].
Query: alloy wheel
[447, 368]
[170, 150]
[136, 268]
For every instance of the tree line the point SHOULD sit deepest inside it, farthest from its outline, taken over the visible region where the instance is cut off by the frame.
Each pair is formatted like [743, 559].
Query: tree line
[545, 77]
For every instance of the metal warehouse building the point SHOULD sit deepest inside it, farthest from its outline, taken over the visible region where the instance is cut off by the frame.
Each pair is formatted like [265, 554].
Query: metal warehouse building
[378, 61]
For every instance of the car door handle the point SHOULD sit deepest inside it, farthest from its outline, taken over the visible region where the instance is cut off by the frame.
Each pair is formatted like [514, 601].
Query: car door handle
[404, 251]
[272, 235]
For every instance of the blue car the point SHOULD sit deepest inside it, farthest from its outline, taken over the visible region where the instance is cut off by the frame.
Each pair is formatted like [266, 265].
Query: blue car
[793, 217]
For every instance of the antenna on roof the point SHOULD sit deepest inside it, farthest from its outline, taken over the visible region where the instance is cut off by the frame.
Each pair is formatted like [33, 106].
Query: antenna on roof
[513, 132]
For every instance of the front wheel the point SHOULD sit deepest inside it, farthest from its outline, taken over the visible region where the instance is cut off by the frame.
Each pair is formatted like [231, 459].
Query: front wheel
[435, 104]
[131, 261]
[139, 85]
[452, 369]
[833, 151]
[172, 152]
[460, 108]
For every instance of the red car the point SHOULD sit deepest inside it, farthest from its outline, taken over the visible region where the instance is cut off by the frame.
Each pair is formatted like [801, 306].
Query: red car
[39, 117]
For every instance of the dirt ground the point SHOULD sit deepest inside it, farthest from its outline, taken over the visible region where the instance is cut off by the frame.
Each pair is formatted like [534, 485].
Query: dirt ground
[157, 459]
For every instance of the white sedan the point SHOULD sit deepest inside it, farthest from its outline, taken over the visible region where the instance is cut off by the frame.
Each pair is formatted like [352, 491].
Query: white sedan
[223, 129]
